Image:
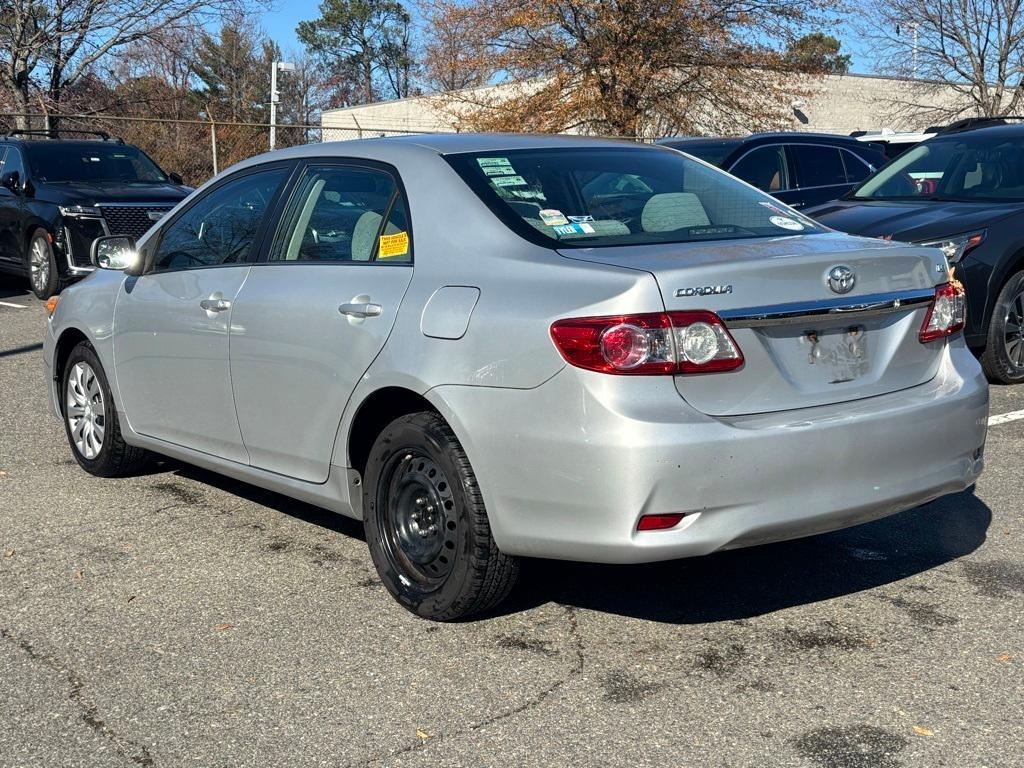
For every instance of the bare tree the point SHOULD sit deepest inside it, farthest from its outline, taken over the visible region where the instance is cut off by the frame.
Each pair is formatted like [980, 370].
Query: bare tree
[47, 46]
[629, 67]
[967, 54]
[452, 42]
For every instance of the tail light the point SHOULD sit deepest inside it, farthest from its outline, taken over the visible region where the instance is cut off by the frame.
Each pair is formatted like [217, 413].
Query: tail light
[648, 344]
[946, 314]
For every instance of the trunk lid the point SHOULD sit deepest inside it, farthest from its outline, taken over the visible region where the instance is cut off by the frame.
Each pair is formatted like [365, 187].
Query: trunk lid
[804, 344]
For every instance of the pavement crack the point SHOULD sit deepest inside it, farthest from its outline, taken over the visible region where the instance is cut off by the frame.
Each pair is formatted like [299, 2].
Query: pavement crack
[532, 703]
[136, 753]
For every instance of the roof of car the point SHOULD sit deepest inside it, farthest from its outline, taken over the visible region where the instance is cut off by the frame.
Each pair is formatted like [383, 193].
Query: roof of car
[794, 137]
[63, 142]
[452, 143]
[1009, 130]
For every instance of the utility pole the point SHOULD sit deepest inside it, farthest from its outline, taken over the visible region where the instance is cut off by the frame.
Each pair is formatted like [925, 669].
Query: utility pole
[283, 66]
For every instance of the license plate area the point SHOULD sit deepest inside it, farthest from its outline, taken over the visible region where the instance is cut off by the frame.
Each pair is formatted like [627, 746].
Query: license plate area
[836, 355]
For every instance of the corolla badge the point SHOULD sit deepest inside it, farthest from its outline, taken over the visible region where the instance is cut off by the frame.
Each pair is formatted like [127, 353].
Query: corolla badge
[841, 279]
[156, 215]
[703, 290]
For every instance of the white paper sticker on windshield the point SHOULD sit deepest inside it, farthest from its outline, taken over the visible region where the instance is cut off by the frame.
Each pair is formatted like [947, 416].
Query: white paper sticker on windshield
[494, 162]
[508, 181]
[553, 217]
[499, 170]
[786, 223]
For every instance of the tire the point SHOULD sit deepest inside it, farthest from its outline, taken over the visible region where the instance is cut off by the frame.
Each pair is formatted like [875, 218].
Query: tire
[1003, 358]
[90, 418]
[43, 276]
[426, 525]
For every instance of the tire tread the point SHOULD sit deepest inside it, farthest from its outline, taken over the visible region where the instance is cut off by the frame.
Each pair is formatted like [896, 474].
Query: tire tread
[491, 573]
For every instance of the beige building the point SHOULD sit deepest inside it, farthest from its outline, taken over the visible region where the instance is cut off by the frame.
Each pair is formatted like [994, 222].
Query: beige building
[838, 104]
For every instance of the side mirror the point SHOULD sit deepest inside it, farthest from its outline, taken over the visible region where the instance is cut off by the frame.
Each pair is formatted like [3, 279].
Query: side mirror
[175, 178]
[12, 181]
[115, 252]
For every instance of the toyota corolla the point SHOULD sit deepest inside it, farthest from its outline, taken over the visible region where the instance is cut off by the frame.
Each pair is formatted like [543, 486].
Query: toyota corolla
[490, 347]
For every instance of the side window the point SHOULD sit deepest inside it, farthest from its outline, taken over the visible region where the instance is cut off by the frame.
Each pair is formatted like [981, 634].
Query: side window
[221, 227]
[856, 169]
[764, 168]
[13, 162]
[337, 214]
[3, 151]
[818, 166]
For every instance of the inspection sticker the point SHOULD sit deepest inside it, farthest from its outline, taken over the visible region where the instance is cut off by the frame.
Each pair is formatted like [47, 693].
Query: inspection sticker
[553, 217]
[508, 181]
[392, 246]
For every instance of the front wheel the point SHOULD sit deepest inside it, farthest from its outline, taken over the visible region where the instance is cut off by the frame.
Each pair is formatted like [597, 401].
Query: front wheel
[426, 525]
[1003, 358]
[90, 418]
[42, 266]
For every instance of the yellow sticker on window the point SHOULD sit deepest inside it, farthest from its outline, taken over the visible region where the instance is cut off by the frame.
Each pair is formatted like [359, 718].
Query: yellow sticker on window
[392, 246]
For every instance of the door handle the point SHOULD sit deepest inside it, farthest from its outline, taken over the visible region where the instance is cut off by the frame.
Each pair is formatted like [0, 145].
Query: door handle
[215, 305]
[360, 309]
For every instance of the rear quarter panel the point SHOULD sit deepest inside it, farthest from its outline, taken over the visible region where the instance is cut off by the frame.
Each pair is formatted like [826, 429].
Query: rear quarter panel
[523, 287]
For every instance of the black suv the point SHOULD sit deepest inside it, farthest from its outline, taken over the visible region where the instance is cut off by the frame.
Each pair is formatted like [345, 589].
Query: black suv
[962, 191]
[800, 169]
[57, 195]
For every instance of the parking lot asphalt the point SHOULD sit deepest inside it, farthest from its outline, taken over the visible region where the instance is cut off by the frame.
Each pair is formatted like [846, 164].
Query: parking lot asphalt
[184, 619]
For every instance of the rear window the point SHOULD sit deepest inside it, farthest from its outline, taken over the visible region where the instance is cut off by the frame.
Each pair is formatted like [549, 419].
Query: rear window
[582, 197]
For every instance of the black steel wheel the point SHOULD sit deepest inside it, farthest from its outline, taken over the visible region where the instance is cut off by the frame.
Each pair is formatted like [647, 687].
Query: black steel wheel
[426, 525]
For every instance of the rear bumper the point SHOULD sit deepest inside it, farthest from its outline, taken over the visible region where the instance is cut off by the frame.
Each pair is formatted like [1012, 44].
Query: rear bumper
[567, 469]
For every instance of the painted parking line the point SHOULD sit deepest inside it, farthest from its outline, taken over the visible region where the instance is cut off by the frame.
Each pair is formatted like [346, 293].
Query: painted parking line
[1003, 418]
[10, 304]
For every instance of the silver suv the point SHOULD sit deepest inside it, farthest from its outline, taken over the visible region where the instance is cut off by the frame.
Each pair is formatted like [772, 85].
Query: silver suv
[488, 347]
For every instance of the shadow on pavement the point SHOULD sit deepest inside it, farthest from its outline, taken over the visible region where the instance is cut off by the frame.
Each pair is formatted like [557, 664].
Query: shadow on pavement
[13, 287]
[21, 350]
[726, 586]
[307, 513]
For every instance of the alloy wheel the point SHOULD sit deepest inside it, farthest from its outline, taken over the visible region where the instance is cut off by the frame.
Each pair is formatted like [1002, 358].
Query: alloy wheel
[1013, 331]
[39, 265]
[85, 409]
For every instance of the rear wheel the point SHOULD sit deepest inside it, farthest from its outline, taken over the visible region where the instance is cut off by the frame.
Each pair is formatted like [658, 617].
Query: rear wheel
[42, 266]
[1003, 358]
[426, 525]
[90, 418]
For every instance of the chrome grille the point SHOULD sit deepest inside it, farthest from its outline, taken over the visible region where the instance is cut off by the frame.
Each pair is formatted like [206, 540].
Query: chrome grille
[131, 220]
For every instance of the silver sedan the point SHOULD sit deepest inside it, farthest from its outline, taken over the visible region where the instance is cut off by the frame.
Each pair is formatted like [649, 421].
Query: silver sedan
[489, 347]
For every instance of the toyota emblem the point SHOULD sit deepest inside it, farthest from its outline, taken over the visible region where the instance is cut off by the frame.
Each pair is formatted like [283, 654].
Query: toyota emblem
[841, 279]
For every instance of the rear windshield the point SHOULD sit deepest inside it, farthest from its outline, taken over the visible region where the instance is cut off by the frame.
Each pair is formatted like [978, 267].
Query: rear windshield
[52, 161]
[582, 197]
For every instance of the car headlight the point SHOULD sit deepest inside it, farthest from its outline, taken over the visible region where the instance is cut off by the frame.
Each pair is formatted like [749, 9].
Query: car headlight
[957, 246]
[78, 210]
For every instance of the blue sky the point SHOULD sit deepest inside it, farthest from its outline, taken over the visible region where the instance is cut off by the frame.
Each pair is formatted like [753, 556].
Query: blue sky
[280, 24]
